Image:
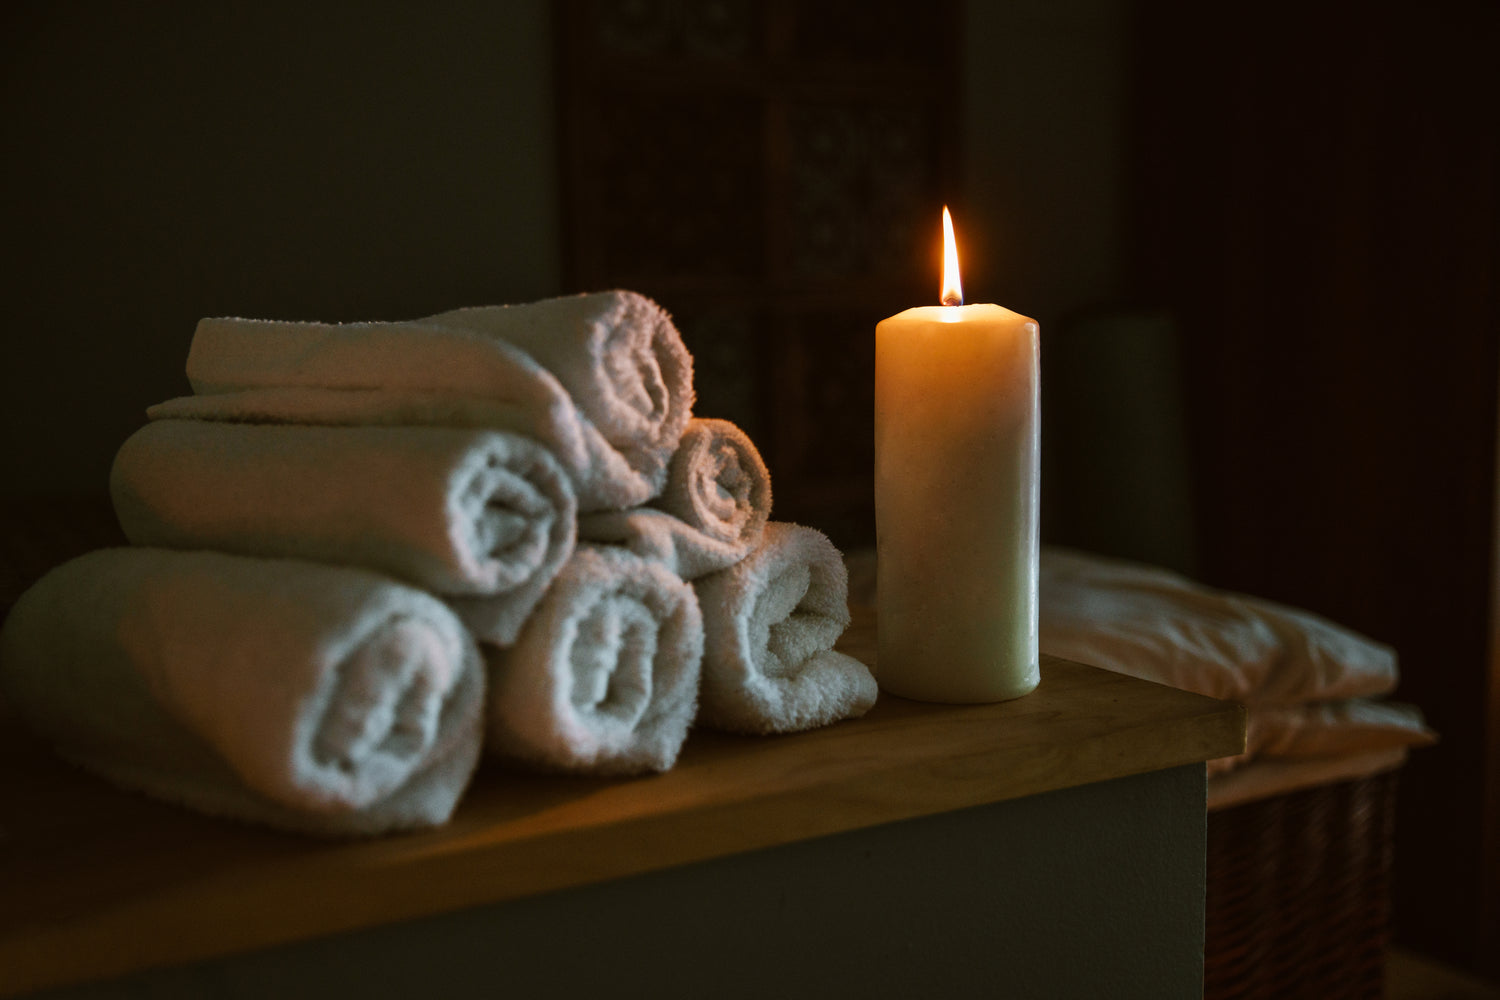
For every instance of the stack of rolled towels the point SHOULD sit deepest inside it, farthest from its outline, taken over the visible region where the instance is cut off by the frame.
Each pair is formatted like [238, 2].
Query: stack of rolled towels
[362, 553]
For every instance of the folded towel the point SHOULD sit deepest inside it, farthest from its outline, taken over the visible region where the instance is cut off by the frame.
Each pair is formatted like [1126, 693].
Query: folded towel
[308, 697]
[618, 355]
[604, 677]
[454, 511]
[770, 623]
[616, 352]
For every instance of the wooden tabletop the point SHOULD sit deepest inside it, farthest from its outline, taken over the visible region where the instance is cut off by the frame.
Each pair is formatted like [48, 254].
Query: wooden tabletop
[96, 883]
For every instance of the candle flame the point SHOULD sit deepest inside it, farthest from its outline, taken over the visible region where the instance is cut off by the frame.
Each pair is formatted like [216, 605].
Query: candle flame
[953, 289]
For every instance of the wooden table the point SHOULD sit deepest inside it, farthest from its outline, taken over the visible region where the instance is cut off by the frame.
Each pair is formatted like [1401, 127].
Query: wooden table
[1000, 803]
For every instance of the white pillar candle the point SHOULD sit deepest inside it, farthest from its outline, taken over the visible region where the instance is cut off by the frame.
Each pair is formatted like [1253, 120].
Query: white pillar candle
[956, 500]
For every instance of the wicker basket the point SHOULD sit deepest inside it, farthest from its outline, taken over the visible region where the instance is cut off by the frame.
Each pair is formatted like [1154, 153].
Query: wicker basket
[1299, 893]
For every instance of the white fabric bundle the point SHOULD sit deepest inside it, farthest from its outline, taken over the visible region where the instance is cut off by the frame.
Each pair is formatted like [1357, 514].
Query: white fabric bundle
[719, 484]
[1320, 728]
[459, 512]
[618, 355]
[711, 513]
[770, 622]
[611, 410]
[658, 537]
[1327, 729]
[308, 697]
[604, 676]
[1160, 626]
[1306, 682]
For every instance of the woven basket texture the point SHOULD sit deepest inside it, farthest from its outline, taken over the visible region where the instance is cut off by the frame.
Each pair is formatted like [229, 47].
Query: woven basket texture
[1299, 894]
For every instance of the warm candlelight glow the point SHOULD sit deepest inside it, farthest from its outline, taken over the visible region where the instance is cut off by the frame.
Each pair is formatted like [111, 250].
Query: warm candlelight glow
[953, 289]
[957, 474]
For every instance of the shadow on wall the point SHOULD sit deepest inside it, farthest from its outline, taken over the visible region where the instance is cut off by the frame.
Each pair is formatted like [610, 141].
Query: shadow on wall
[173, 161]
[1116, 475]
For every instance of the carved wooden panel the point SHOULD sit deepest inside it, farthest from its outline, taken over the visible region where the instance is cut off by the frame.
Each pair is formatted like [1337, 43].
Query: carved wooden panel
[772, 173]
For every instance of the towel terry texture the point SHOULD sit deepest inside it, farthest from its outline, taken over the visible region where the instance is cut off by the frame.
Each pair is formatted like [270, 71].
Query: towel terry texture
[618, 355]
[658, 537]
[309, 697]
[770, 623]
[612, 407]
[459, 512]
[604, 676]
[363, 552]
[718, 484]
[709, 516]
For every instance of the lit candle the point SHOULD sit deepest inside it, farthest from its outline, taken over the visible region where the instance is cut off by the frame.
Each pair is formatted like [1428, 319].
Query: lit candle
[956, 497]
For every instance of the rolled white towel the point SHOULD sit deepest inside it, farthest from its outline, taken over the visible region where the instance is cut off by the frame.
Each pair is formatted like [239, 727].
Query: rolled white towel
[770, 623]
[711, 513]
[658, 537]
[601, 478]
[459, 512]
[604, 677]
[549, 416]
[718, 483]
[617, 358]
[307, 697]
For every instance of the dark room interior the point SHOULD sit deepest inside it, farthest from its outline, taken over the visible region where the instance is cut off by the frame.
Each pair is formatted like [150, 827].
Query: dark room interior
[1262, 244]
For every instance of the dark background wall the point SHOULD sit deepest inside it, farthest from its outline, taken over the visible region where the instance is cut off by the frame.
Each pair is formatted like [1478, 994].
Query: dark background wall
[167, 161]
[1318, 201]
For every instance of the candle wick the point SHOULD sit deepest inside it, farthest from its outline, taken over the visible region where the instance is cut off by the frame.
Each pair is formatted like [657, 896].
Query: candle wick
[953, 298]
